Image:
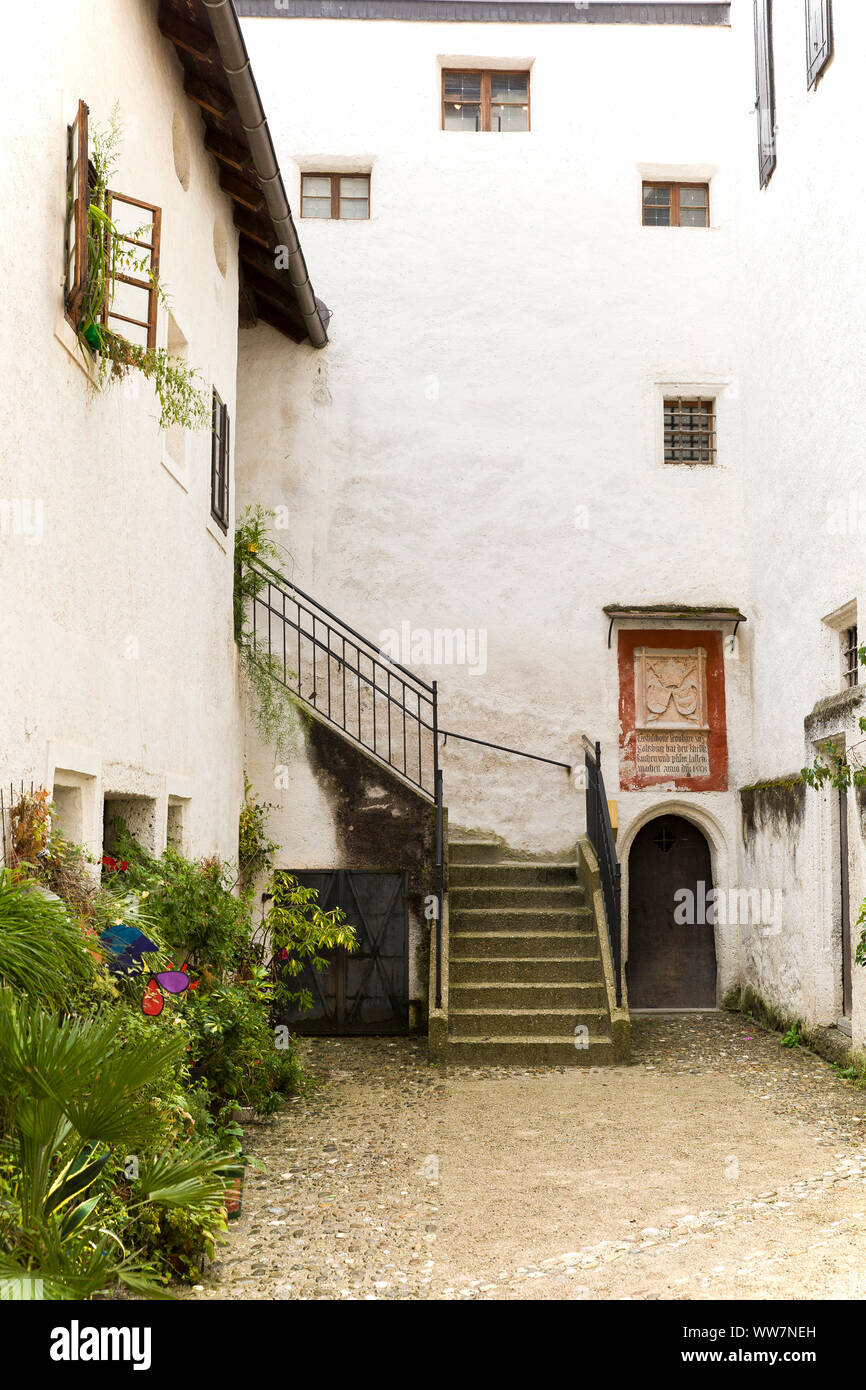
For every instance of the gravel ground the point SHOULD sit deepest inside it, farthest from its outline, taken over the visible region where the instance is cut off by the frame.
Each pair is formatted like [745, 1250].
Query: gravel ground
[716, 1165]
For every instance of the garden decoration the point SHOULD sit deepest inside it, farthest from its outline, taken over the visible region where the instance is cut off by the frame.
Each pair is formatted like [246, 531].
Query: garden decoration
[174, 981]
[127, 945]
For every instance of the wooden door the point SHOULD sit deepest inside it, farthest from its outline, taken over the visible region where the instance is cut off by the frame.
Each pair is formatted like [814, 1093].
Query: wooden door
[671, 963]
[364, 991]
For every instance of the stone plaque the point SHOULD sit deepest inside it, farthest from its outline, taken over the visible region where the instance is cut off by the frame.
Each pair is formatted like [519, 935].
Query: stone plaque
[668, 753]
[670, 687]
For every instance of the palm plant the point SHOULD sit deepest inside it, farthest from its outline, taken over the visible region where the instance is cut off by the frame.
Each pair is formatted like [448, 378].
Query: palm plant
[76, 1098]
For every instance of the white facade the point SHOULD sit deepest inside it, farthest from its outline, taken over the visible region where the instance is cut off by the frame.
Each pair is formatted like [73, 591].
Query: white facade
[476, 458]
[480, 447]
[118, 659]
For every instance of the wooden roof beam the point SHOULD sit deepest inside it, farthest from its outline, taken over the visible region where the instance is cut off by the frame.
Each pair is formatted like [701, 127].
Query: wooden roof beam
[186, 36]
[207, 97]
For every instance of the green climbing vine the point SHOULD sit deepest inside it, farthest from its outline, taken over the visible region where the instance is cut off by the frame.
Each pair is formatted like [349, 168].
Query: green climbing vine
[277, 715]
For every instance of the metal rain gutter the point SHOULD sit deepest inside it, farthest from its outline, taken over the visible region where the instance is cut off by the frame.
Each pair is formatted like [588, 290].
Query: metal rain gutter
[237, 68]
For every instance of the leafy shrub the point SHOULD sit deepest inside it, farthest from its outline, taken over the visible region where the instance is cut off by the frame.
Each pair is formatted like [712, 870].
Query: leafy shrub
[79, 1102]
[42, 952]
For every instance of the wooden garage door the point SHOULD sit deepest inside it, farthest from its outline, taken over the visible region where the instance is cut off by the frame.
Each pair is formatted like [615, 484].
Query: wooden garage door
[365, 991]
[670, 964]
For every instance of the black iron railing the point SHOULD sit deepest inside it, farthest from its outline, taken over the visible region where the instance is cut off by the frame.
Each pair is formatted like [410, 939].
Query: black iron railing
[345, 678]
[600, 833]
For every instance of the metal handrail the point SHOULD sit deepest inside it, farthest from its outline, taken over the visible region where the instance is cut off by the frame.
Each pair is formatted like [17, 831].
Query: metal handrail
[501, 748]
[384, 707]
[600, 832]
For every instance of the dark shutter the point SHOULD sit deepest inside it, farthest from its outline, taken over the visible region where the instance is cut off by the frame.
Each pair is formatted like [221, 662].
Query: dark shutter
[819, 38]
[219, 463]
[77, 202]
[765, 105]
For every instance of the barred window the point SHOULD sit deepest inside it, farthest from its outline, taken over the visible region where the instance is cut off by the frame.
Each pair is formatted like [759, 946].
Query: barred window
[690, 433]
[850, 658]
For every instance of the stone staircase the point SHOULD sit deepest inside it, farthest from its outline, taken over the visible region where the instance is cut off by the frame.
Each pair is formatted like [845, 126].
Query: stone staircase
[525, 969]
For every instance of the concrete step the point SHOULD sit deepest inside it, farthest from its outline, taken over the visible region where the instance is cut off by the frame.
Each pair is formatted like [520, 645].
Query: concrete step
[514, 895]
[524, 944]
[504, 1023]
[551, 970]
[474, 851]
[466, 874]
[528, 1051]
[521, 919]
[510, 995]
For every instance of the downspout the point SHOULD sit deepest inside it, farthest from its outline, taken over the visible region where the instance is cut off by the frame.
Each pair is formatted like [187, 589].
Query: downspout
[236, 65]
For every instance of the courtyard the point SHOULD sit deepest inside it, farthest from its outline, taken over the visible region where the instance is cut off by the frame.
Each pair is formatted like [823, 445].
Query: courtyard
[717, 1165]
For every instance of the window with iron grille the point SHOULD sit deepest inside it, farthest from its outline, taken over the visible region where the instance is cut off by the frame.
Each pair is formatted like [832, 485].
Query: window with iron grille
[819, 38]
[850, 657]
[474, 100]
[344, 196]
[676, 205]
[219, 464]
[765, 104]
[127, 304]
[689, 430]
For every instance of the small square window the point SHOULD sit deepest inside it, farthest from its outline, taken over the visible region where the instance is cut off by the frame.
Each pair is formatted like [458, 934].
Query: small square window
[689, 431]
[676, 205]
[492, 101]
[336, 196]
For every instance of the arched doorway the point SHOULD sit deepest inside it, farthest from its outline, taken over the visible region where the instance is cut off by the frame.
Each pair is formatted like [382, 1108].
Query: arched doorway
[671, 945]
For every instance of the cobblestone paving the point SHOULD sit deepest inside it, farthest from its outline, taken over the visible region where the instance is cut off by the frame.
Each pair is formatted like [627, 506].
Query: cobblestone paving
[350, 1203]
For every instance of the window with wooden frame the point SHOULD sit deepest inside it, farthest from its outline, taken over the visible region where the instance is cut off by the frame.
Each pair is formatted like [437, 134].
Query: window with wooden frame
[130, 309]
[765, 102]
[219, 463]
[343, 196]
[819, 38]
[110, 280]
[474, 100]
[689, 430]
[676, 204]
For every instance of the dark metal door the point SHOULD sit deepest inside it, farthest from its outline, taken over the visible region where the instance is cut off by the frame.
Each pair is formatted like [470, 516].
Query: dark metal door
[671, 961]
[364, 991]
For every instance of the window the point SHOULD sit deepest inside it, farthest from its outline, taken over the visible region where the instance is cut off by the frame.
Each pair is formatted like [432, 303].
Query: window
[819, 38]
[496, 101]
[689, 431]
[676, 205]
[133, 301]
[130, 306]
[765, 104]
[345, 196]
[850, 658]
[219, 464]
